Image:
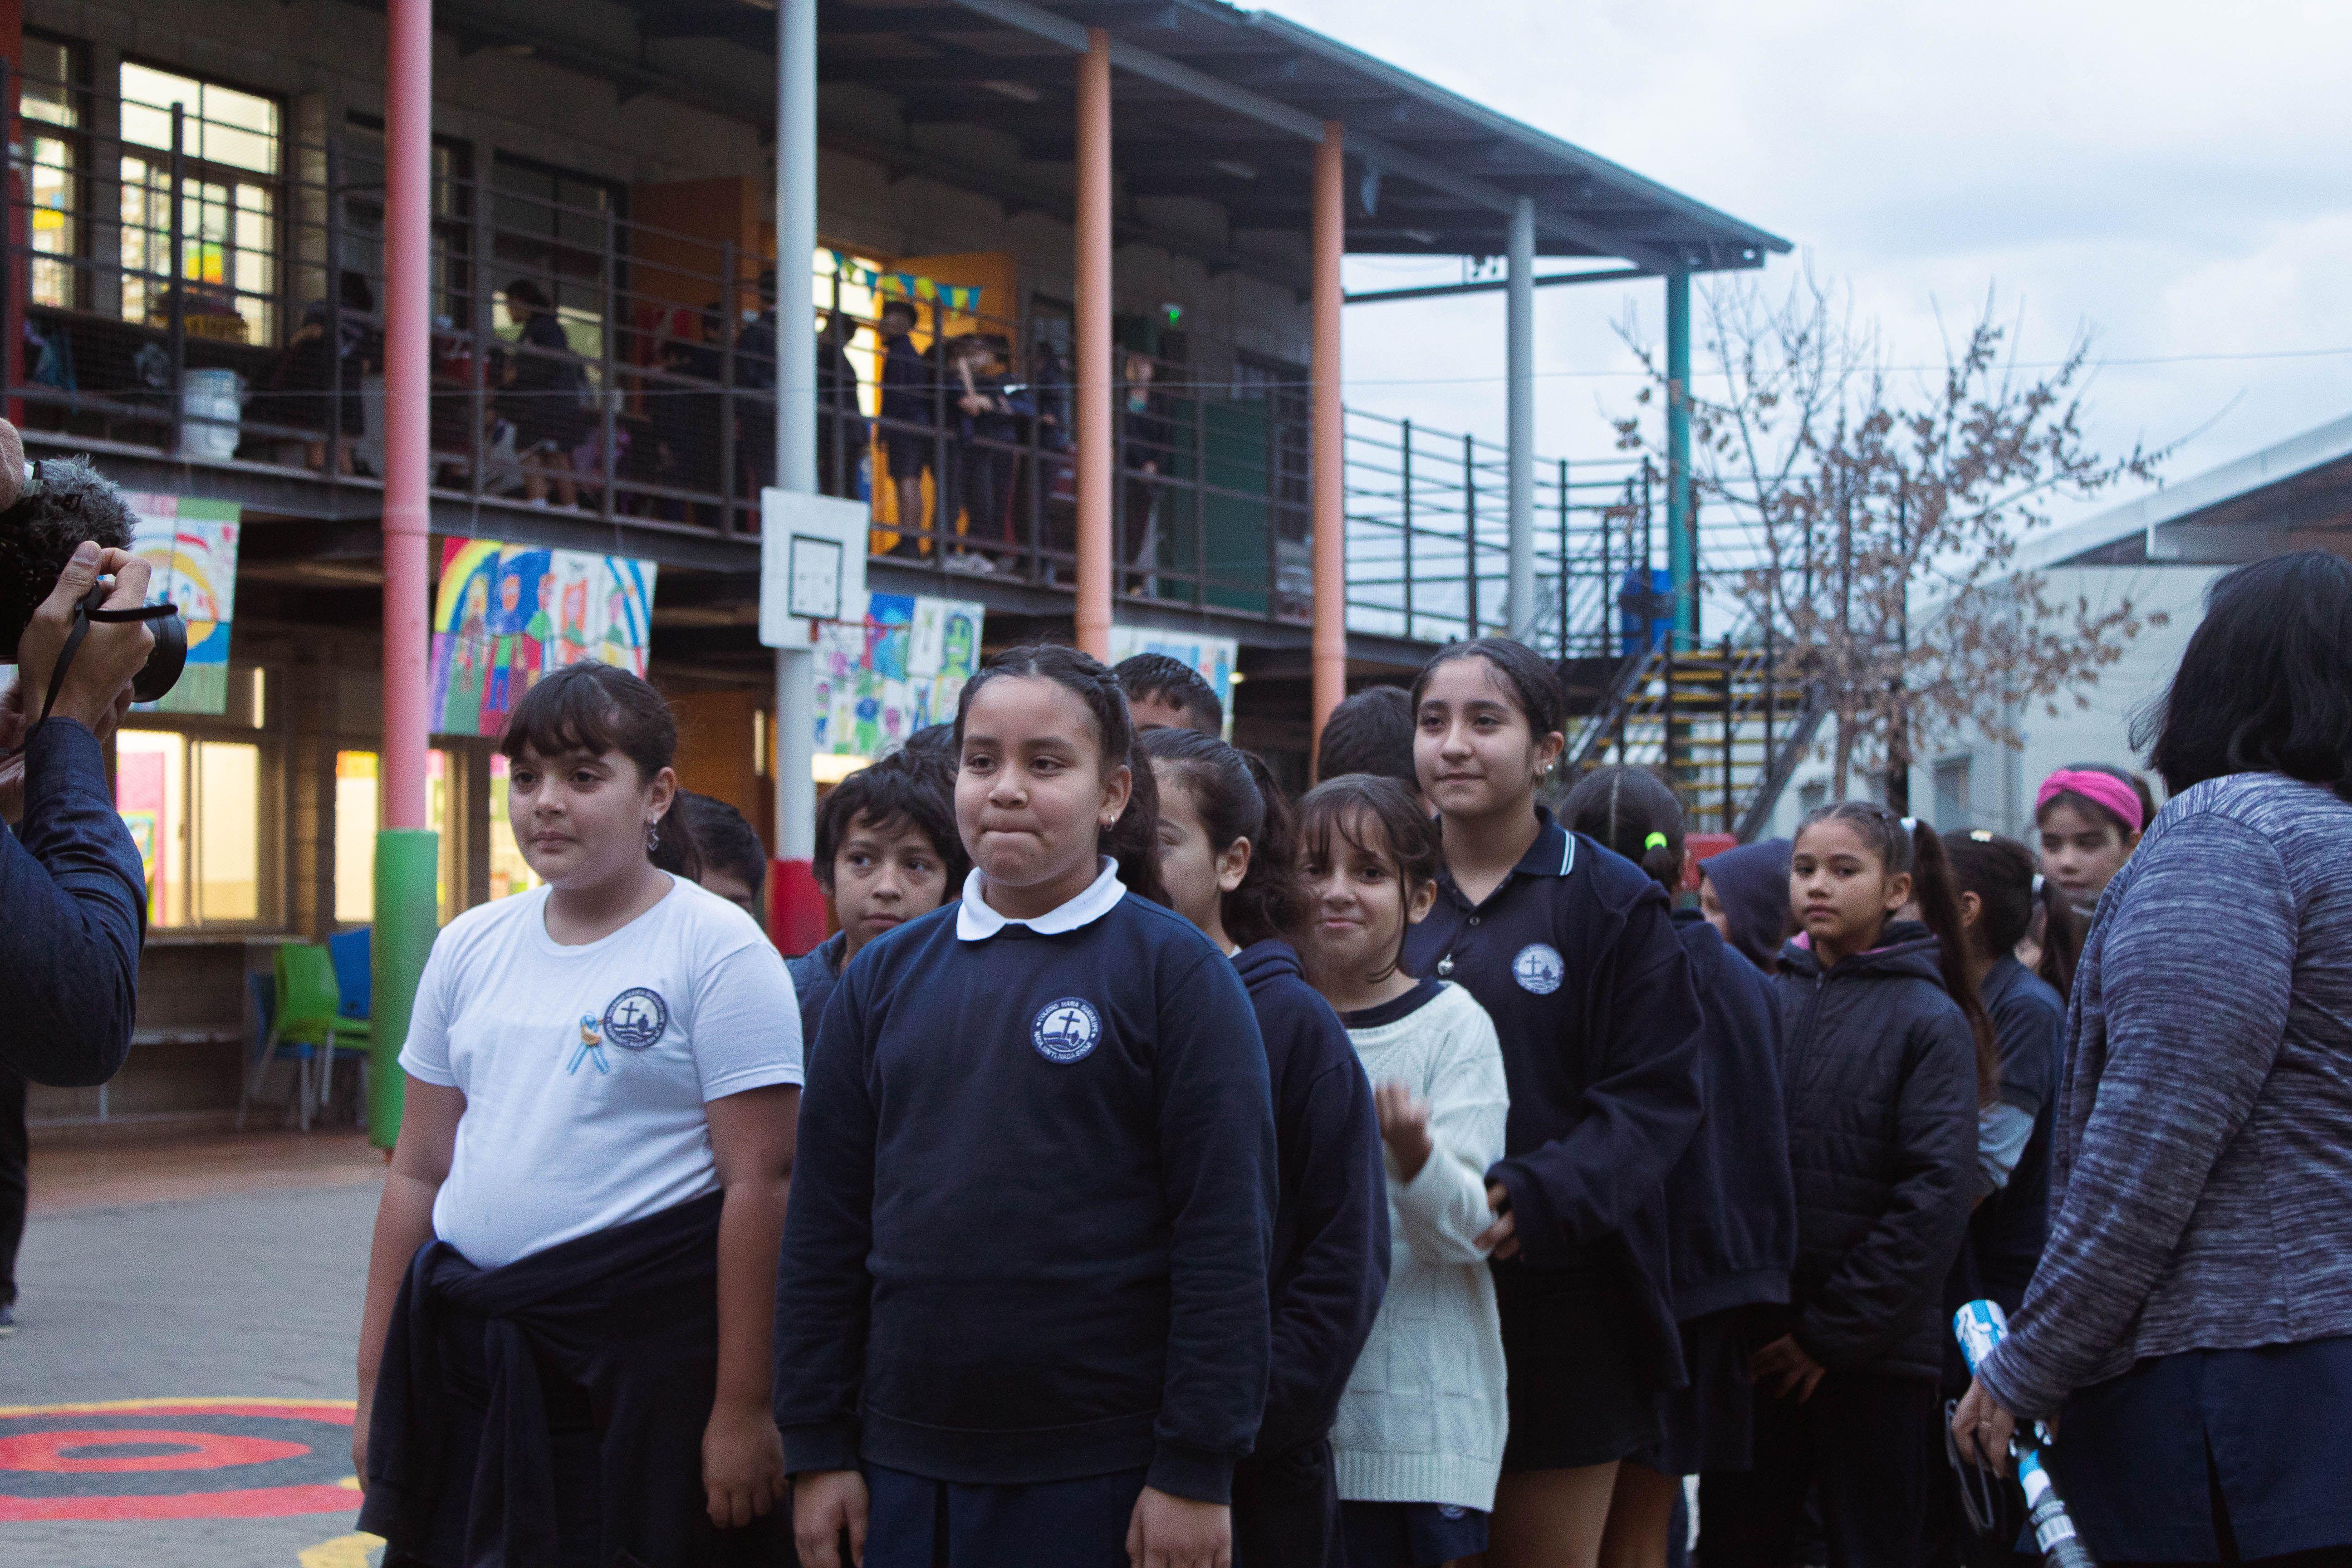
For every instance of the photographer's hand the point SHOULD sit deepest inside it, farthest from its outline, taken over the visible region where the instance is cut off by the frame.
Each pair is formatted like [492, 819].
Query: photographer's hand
[109, 655]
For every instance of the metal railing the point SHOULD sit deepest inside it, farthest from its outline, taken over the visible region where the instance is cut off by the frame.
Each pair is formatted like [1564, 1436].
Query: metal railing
[225, 313]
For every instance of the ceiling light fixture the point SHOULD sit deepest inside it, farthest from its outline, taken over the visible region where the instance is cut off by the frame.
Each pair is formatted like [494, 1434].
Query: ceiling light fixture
[1236, 168]
[1018, 91]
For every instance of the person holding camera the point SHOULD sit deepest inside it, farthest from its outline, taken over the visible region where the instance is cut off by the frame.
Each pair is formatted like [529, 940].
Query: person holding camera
[73, 895]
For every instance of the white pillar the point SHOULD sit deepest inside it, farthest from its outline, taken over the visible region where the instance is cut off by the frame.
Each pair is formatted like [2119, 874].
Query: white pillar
[1520, 340]
[795, 396]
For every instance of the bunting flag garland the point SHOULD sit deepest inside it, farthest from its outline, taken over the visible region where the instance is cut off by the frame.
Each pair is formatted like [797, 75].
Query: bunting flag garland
[961, 298]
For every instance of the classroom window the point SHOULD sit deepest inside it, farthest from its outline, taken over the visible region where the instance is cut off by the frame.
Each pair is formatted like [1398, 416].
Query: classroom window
[227, 203]
[196, 808]
[51, 104]
[359, 812]
[550, 230]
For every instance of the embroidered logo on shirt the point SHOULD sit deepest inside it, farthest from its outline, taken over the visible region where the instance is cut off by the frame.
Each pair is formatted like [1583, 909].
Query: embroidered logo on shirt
[635, 1018]
[1066, 1031]
[592, 1046]
[1538, 968]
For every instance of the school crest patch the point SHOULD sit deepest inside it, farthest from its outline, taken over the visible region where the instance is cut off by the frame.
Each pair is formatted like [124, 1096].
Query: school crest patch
[635, 1018]
[1066, 1031]
[1538, 968]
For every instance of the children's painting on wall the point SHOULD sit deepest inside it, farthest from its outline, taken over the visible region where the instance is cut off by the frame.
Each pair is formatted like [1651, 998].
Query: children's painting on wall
[191, 546]
[902, 666]
[1211, 657]
[507, 614]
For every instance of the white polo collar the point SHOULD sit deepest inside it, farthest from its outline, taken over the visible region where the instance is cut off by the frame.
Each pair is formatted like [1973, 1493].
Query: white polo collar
[975, 921]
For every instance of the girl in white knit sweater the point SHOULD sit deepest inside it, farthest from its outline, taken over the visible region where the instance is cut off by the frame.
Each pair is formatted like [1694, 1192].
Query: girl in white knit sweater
[1419, 1441]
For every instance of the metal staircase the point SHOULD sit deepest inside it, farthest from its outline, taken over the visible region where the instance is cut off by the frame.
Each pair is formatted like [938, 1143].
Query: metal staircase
[1725, 725]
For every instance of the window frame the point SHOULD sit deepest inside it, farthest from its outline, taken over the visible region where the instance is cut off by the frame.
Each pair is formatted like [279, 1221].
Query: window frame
[197, 171]
[75, 258]
[269, 820]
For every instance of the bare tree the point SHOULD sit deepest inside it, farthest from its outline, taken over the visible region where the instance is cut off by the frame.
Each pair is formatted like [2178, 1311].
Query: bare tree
[1857, 495]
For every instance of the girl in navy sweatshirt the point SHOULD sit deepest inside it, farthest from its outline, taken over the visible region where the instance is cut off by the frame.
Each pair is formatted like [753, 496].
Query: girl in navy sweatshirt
[1022, 1310]
[1572, 953]
[1728, 1201]
[1228, 857]
[1884, 1053]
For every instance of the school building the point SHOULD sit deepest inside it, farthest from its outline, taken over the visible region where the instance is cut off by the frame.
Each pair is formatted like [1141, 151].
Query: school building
[2159, 553]
[195, 288]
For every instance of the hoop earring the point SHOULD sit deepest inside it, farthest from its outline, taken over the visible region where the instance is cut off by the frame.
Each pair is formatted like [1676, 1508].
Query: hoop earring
[653, 836]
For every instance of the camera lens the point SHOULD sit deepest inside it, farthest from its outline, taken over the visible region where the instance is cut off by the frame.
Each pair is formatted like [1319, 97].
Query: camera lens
[165, 660]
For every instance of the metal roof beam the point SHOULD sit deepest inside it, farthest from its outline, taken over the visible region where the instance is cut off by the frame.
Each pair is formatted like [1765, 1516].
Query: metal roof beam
[1038, 21]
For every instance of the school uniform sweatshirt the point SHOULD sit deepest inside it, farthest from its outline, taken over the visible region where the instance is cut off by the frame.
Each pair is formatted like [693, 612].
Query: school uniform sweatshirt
[1731, 1208]
[1032, 1204]
[1332, 1226]
[1425, 1417]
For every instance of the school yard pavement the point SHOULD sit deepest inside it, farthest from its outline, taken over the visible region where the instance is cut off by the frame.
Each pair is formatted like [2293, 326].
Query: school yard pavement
[178, 1391]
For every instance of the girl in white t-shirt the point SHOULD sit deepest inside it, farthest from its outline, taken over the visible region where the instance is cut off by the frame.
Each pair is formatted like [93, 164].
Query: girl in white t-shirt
[1418, 1446]
[603, 1075]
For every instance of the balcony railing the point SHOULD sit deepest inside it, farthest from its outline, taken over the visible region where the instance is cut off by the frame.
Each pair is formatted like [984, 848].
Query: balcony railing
[590, 363]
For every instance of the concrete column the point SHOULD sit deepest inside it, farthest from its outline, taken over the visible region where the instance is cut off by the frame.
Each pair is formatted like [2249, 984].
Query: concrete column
[1090, 375]
[1681, 557]
[1520, 356]
[1330, 635]
[795, 835]
[407, 856]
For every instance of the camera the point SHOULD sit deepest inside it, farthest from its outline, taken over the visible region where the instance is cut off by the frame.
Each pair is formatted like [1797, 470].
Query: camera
[56, 504]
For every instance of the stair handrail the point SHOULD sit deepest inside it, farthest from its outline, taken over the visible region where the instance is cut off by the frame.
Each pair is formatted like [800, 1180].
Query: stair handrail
[1631, 673]
[1766, 795]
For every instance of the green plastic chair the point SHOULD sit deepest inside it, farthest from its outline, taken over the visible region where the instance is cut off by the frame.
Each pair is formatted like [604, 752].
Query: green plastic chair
[310, 1027]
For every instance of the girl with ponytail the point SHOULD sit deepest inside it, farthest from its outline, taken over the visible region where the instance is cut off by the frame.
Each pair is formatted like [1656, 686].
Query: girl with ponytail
[1886, 1056]
[2000, 894]
[1730, 1205]
[1228, 863]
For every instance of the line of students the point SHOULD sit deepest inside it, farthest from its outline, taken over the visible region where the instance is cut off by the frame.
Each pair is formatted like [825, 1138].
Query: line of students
[1085, 1262]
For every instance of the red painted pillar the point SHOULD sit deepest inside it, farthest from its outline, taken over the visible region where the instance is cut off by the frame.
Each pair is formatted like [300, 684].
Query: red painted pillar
[407, 850]
[1328, 637]
[1091, 375]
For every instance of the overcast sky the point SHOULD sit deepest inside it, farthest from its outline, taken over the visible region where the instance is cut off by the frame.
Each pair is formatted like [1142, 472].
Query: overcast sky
[2172, 177]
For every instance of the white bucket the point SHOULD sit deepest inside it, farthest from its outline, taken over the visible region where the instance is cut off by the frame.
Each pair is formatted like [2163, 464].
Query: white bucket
[211, 401]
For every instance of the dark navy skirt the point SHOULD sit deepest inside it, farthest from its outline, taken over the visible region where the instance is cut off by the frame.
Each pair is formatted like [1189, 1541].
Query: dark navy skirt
[1410, 1534]
[2210, 1455]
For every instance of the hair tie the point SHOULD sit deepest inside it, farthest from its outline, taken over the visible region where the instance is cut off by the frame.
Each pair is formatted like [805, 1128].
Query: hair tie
[2037, 884]
[1910, 824]
[1655, 841]
[1984, 836]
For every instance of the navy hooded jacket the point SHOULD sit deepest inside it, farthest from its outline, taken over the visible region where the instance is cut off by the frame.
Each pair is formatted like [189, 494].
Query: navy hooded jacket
[1880, 1070]
[1729, 1202]
[1751, 883]
[1331, 1224]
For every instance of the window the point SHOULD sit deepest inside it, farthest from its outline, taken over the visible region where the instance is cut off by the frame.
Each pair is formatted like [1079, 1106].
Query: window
[227, 204]
[359, 812]
[53, 104]
[362, 177]
[509, 872]
[553, 229]
[1952, 794]
[197, 806]
[1813, 797]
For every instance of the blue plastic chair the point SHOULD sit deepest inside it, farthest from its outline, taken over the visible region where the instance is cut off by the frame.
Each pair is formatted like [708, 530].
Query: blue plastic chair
[353, 978]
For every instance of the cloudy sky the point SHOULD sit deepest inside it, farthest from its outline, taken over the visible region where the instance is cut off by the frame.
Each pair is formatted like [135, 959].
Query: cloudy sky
[2172, 176]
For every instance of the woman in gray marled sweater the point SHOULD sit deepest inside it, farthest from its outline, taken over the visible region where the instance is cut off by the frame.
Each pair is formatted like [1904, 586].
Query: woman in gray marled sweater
[2192, 1315]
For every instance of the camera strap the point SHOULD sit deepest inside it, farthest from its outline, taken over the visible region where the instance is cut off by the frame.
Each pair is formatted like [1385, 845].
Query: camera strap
[91, 607]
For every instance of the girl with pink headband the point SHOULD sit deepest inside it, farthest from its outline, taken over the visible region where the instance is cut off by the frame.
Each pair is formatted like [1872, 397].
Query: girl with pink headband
[2090, 817]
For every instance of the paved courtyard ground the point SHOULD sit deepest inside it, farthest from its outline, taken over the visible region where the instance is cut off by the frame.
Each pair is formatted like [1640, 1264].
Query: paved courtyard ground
[179, 1388]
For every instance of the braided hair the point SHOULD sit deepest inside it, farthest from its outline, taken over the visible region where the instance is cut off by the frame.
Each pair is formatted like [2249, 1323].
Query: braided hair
[1133, 841]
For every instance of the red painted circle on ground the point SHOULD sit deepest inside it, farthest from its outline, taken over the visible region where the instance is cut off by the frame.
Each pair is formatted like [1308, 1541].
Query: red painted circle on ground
[85, 1451]
[236, 1474]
